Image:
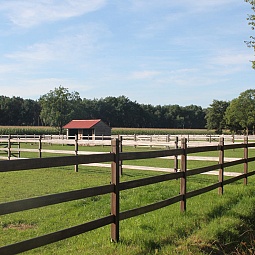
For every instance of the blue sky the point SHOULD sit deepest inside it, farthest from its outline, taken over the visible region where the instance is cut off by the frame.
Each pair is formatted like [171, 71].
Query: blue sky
[155, 52]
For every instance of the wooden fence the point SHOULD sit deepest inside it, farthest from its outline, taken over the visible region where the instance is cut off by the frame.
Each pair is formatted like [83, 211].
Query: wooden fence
[116, 186]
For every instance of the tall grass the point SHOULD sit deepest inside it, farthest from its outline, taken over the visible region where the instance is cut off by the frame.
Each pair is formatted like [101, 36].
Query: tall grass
[39, 130]
[27, 130]
[160, 131]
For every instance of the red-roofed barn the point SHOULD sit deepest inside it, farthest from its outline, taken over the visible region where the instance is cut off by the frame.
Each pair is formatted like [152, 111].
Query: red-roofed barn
[85, 128]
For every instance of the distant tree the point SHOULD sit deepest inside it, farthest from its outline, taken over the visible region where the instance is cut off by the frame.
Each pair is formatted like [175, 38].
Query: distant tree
[233, 115]
[241, 111]
[58, 107]
[30, 112]
[194, 116]
[251, 18]
[215, 115]
[11, 110]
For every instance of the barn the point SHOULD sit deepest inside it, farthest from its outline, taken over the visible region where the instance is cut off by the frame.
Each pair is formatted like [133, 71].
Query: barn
[85, 128]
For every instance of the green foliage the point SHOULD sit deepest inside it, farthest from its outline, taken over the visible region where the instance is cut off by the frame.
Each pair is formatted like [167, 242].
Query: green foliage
[58, 107]
[18, 111]
[122, 112]
[215, 115]
[251, 22]
[241, 111]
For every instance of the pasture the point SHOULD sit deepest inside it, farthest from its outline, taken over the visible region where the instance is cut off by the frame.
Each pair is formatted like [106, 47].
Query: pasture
[212, 224]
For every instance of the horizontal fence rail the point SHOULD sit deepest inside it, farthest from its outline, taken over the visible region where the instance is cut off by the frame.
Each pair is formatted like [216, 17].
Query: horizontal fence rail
[116, 157]
[129, 140]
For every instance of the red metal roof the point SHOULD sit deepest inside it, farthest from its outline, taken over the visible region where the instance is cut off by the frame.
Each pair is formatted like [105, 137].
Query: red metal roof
[81, 124]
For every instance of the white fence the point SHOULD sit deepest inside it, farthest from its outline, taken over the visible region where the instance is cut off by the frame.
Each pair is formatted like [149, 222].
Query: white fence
[169, 141]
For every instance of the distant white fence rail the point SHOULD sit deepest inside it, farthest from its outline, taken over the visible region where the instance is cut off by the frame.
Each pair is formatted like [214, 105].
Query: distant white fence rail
[127, 140]
[10, 144]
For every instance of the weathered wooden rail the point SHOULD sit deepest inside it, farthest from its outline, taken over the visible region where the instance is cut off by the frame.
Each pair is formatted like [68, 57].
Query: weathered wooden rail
[116, 186]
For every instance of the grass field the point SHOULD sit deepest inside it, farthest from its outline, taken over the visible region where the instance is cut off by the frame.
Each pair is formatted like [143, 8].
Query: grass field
[212, 224]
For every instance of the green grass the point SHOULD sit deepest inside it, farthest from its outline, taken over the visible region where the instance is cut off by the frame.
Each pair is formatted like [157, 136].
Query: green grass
[213, 224]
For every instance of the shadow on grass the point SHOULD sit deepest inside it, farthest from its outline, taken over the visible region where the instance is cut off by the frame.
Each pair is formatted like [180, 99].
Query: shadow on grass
[237, 241]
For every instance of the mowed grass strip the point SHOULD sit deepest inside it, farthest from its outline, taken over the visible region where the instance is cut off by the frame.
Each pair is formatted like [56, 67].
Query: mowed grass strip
[213, 224]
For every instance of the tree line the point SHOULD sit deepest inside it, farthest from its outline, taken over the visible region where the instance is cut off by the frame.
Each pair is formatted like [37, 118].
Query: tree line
[59, 106]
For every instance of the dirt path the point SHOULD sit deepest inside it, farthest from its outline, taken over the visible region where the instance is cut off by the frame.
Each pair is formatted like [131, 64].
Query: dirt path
[159, 169]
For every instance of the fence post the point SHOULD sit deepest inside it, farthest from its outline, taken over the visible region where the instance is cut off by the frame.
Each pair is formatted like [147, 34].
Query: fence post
[183, 184]
[76, 152]
[245, 159]
[115, 202]
[9, 147]
[221, 162]
[40, 146]
[176, 156]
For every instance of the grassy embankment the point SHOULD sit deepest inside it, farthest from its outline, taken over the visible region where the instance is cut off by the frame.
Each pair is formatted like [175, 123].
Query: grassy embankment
[213, 224]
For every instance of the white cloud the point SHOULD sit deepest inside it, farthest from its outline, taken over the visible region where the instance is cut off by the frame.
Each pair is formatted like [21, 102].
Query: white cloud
[8, 68]
[27, 13]
[144, 74]
[71, 44]
[38, 87]
[229, 58]
[191, 5]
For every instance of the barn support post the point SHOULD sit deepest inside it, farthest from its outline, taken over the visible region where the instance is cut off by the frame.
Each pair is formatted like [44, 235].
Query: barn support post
[76, 145]
[176, 156]
[40, 147]
[183, 184]
[245, 170]
[221, 162]
[115, 196]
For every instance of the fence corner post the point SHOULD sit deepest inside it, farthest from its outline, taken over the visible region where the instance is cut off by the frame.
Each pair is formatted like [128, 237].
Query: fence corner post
[183, 184]
[115, 196]
[221, 163]
[245, 159]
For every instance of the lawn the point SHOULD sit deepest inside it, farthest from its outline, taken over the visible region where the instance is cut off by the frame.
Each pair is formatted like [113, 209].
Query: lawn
[212, 224]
